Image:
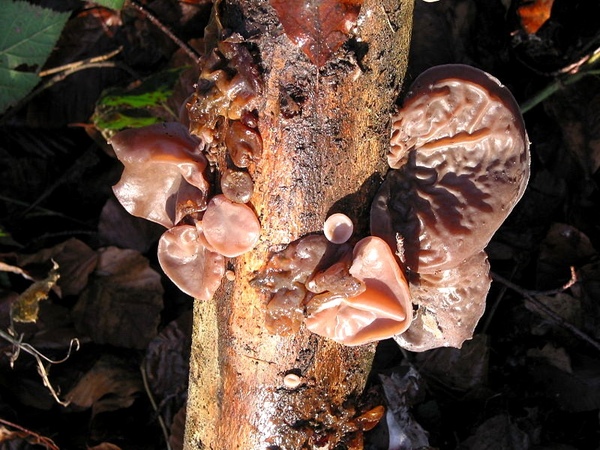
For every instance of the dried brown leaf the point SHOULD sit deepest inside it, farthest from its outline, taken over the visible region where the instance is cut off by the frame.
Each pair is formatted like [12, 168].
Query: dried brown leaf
[534, 14]
[122, 303]
[167, 365]
[318, 27]
[498, 432]
[177, 430]
[26, 308]
[76, 261]
[104, 446]
[563, 246]
[459, 369]
[402, 389]
[111, 384]
[118, 227]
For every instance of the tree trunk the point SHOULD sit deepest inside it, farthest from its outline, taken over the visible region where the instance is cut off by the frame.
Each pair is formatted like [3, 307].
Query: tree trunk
[325, 135]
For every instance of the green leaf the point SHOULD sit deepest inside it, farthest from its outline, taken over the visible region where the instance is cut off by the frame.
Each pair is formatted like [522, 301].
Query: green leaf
[111, 4]
[28, 34]
[143, 105]
[14, 86]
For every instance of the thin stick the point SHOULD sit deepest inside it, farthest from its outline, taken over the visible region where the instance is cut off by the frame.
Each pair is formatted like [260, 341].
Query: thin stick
[42, 440]
[159, 416]
[531, 297]
[192, 53]
[83, 62]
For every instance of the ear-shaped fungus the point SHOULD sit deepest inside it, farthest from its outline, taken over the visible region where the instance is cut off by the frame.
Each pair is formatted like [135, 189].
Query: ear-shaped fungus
[461, 153]
[186, 260]
[381, 311]
[163, 181]
[230, 228]
[163, 178]
[460, 156]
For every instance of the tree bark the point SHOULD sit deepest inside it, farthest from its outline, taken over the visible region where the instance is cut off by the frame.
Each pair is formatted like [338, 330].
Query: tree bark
[325, 135]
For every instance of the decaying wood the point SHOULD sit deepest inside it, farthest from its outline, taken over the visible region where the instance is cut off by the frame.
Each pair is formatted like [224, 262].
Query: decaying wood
[325, 134]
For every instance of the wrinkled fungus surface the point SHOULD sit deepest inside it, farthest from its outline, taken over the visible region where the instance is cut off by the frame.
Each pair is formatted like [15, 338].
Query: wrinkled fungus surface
[381, 311]
[460, 163]
[229, 81]
[460, 154]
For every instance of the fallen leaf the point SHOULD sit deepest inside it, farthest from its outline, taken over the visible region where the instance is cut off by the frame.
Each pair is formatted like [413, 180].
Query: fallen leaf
[118, 227]
[178, 430]
[402, 389]
[27, 306]
[167, 365]
[112, 383]
[563, 246]
[461, 369]
[498, 432]
[318, 27]
[121, 305]
[575, 392]
[76, 261]
[104, 446]
[534, 14]
[555, 356]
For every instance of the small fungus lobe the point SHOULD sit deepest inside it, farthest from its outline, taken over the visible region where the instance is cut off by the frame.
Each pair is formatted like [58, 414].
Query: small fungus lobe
[384, 308]
[338, 228]
[184, 258]
[231, 229]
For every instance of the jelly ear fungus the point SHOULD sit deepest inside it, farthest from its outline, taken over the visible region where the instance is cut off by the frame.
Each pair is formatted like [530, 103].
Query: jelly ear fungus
[459, 159]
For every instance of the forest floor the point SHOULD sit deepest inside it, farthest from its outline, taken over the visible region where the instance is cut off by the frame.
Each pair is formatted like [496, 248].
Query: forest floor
[529, 379]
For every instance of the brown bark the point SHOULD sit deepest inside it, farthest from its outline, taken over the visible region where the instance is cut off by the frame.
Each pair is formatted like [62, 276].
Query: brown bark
[325, 135]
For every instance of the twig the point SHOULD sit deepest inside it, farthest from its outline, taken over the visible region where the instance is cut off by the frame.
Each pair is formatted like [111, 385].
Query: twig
[41, 440]
[574, 72]
[161, 421]
[531, 296]
[18, 345]
[77, 64]
[191, 52]
[63, 72]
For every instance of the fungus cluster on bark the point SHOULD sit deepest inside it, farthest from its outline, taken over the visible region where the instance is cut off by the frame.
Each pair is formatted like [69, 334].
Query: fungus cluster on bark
[169, 175]
[458, 160]
[459, 163]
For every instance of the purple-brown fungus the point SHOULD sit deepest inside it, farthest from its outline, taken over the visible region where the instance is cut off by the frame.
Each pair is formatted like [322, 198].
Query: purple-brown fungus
[164, 175]
[460, 162]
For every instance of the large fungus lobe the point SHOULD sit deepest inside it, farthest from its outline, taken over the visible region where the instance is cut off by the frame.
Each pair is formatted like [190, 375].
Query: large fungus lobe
[381, 311]
[460, 162]
[163, 179]
[460, 154]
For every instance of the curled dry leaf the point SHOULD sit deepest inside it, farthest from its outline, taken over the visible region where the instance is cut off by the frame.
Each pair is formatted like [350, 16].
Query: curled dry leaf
[166, 364]
[27, 306]
[75, 259]
[121, 305]
[112, 383]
